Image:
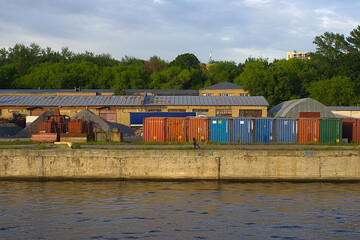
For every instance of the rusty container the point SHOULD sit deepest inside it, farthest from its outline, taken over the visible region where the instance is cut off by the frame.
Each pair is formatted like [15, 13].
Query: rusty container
[44, 127]
[198, 128]
[351, 130]
[308, 130]
[154, 129]
[176, 130]
[76, 126]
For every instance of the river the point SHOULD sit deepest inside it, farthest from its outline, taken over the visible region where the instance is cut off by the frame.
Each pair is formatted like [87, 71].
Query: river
[178, 210]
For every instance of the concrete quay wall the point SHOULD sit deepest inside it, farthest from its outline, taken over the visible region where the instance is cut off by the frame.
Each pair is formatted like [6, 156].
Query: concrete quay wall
[165, 164]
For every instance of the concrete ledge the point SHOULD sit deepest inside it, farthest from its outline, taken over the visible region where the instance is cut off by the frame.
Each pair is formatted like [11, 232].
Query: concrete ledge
[164, 164]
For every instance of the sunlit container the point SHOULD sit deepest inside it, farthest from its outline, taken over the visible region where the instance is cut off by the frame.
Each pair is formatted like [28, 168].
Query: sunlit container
[154, 130]
[175, 130]
[351, 130]
[285, 129]
[198, 128]
[308, 130]
[330, 131]
[241, 130]
[263, 130]
[220, 130]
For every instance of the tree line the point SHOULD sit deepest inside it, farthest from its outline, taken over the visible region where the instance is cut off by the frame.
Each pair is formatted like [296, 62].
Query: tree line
[330, 75]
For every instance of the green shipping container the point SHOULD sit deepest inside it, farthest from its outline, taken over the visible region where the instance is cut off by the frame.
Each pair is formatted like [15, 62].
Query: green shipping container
[330, 131]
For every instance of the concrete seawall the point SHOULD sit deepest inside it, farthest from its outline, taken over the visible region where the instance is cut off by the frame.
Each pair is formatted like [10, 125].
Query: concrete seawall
[164, 164]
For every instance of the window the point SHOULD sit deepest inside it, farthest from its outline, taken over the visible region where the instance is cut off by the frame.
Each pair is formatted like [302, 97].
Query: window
[250, 113]
[0, 112]
[153, 110]
[244, 94]
[226, 94]
[224, 112]
[176, 110]
[207, 94]
[200, 110]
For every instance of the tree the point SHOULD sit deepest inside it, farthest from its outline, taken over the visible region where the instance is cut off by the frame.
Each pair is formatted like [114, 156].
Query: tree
[354, 38]
[332, 45]
[186, 61]
[223, 72]
[154, 64]
[337, 91]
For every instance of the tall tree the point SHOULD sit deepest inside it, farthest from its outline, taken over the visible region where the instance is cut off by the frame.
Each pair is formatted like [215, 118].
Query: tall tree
[186, 61]
[354, 38]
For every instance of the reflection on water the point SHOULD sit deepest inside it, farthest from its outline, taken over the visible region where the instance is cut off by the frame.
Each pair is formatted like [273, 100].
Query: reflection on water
[179, 210]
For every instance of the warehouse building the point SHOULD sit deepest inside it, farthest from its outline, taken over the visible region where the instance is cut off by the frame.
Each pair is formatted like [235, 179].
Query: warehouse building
[345, 111]
[305, 107]
[118, 108]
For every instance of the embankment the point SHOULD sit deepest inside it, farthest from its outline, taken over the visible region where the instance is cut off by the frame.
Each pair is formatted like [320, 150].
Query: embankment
[165, 164]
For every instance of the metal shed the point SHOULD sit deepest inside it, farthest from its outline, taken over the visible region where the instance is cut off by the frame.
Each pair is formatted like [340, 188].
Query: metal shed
[293, 108]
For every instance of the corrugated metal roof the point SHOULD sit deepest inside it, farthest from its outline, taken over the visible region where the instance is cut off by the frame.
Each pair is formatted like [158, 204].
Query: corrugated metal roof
[45, 91]
[164, 91]
[344, 108]
[39, 100]
[223, 85]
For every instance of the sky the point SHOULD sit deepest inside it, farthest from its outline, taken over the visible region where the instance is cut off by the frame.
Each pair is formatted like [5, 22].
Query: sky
[232, 30]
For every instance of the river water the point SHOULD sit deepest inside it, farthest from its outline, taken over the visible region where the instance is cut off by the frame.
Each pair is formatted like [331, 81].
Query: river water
[178, 210]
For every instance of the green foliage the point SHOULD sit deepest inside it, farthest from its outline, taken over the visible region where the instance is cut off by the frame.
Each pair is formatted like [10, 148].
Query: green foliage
[337, 91]
[321, 77]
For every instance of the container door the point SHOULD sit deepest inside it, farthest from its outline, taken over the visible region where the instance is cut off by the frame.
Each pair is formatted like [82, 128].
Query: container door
[264, 130]
[286, 130]
[241, 130]
[220, 130]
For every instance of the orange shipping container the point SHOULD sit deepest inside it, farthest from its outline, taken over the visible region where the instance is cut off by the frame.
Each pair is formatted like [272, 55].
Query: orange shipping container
[176, 130]
[351, 129]
[154, 129]
[198, 128]
[308, 130]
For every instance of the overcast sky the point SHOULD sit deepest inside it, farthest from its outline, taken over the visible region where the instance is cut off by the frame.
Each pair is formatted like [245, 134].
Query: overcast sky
[232, 29]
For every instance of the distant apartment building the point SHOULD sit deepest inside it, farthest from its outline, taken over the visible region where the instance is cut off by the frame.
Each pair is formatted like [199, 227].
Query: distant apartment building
[294, 54]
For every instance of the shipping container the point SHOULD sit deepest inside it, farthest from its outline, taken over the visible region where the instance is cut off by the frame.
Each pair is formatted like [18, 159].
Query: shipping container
[116, 136]
[198, 128]
[348, 130]
[76, 137]
[330, 131]
[154, 130]
[263, 130]
[175, 130]
[308, 130]
[285, 129]
[136, 118]
[242, 130]
[220, 130]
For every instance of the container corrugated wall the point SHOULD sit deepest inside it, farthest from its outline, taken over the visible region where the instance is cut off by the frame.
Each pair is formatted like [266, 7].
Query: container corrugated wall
[175, 130]
[263, 130]
[154, 130]
[330, 131]
[198, 128]
[241, 130]
[308, 130]
[220, 130]
[285, 129]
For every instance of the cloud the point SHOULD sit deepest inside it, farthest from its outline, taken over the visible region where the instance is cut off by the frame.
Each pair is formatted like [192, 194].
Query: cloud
[232, 29]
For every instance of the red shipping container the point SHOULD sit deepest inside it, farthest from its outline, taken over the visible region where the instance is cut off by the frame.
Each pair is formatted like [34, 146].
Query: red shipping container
[308, 130]
[198, 128]
[176, 130]
[154, 129]
[76, 127]
[351, 129]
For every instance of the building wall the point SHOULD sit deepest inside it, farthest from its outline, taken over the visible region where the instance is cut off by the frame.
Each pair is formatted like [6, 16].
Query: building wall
[294, 54]
[123, 113]
[218, 92]
[341, 114]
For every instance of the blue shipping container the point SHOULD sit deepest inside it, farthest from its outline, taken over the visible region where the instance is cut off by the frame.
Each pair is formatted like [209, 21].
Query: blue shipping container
[263, 130]
[220, 130]
[136, 118]
[241, 130]
[286, 130]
